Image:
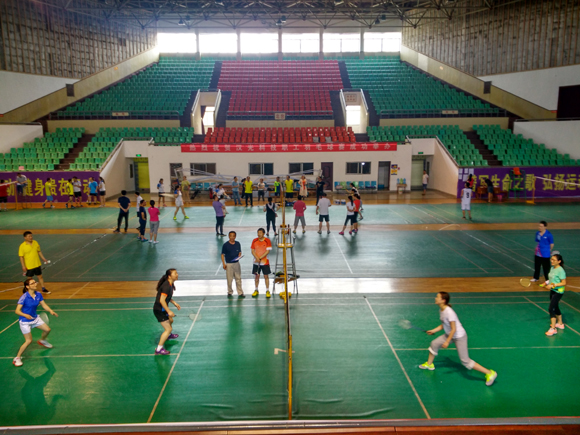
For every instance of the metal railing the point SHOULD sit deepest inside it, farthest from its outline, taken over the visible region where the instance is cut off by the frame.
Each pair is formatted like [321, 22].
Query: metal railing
[439, 113]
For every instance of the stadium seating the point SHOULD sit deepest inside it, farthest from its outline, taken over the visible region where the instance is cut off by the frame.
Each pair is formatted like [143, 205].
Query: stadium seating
[296, 88]
[43, 154]
[514, 150]
[397, 90]
[279, 135]
[163, 88]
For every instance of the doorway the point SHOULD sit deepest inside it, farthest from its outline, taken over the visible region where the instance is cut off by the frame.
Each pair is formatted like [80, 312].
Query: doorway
[417, 169]
[141, 174]
[327, 174]
[384, 177]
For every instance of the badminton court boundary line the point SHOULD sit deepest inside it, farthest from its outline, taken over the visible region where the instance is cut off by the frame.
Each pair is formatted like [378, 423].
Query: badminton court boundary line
[174, 363]
[342, 253]
[79, 290]
[495, 348]
[398, 360]
[567, 325]
[16, 321]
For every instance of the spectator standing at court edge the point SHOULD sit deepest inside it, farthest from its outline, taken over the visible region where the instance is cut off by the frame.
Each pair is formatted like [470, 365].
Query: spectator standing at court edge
[231, 254]
[289, 187]
[137, 205]
[319, 188]
[489, 189]
[102, 191]
[261, 190]
[249, 191]
[48, 186]
[299, 207]
[219, 216]
[185, 188]
[303, 187]
[277, 187]
[322, 212]
[425, 182]
[3, 196]
[543, 252]
[30, 255]
[236, 192]
[77, 189]
[161, 191]
[21, 184]
[124, 206]
[93, 194]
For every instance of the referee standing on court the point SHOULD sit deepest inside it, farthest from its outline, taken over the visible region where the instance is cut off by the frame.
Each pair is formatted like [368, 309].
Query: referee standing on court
[231, 253]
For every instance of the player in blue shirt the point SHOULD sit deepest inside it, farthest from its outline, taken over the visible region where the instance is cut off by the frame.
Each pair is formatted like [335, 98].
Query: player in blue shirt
[93, 192]
[28, 319]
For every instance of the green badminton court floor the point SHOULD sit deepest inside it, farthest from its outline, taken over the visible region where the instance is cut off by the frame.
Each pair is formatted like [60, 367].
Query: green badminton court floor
[351, 361]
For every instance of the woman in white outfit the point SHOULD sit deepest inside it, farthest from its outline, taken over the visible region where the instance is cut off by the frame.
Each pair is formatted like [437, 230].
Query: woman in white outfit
[303, 187]
[455, 332]
[179, 203]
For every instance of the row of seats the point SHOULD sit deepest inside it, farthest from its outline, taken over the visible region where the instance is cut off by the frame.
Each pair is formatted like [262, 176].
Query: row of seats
[398, 90]
[159, 134]
[513, 149]
[164, 87]
[297, 88]
[280, 135]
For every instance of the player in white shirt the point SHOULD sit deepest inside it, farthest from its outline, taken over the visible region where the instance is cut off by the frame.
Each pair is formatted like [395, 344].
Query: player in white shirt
[322, 212]
[455, 332]
[425, 181]
[466, 195]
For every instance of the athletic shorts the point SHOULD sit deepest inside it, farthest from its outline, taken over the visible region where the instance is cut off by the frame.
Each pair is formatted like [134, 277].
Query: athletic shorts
[351, 219]
[161, 195]
[94, 194]
[289, 194]
[265, 269]
[424, 187]
[323, 218]
[489, 189]
[26, 327]
[49, 198]
[161, 316]
[78, 194]
[102, 193]
[299, 219]
[3, 199]
[466, 205]
[37, 271]
[154, 226]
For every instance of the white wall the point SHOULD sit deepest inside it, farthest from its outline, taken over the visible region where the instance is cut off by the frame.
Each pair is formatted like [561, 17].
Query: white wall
[562, 135]
[13, 136]
[17, 89]
[117, 173]
[424, 146]
[540, 86]
[443, 174]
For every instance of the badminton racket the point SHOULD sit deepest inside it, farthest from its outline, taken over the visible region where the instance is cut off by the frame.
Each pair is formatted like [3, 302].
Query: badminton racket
[525, 282]
[167, 195]
[238, 258]
[44, 317]
[406, 324]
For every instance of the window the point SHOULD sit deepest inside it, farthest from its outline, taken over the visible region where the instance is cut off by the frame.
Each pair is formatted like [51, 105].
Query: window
[261, 168]
[204, 167]
[218, 43]
[301, 43]
[259, 43]
[301, 167]
[358, 168]
[382, 42]
[176, 42]
[341, 42]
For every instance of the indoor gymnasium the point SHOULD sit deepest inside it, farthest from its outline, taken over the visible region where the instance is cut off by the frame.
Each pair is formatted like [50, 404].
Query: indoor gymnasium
[289, 217]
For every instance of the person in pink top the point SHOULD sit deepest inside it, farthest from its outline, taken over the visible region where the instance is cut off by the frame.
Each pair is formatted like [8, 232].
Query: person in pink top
[357, 206]
[299, 207]
[154, 222]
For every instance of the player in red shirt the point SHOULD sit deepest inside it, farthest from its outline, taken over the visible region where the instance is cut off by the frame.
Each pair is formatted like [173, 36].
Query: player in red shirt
[3, 196]
[357, 206]
[261, 247]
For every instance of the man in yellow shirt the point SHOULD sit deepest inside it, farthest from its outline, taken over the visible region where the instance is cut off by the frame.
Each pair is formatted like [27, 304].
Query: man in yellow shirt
[249, 191]
[289, 187]
[30, 255]
[71, 194]
[48, 188]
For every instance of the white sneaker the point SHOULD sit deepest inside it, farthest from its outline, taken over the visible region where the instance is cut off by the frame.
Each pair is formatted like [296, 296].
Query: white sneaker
[45, 344]
[150, 241]
[155, 242]
[17, 362]
[533, 280]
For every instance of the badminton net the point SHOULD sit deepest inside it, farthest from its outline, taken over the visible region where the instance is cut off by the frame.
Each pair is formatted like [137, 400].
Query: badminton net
[560, 187]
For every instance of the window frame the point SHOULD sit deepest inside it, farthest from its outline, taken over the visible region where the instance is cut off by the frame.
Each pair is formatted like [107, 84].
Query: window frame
[191, 167]
[361, 167]
[262, 168]
[311, 171]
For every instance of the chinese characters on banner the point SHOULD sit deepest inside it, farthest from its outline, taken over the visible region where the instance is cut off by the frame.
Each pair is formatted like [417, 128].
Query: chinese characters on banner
[501, 178]
[35, 189]
[287, 148]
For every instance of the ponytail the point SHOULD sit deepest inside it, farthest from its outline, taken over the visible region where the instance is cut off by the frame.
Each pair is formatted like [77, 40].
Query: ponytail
[350, 197]
[559, 258]
[164, 278]
[446, 297]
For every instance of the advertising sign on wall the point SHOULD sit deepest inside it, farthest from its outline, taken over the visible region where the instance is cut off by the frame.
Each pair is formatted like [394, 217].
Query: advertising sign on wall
[35, 191]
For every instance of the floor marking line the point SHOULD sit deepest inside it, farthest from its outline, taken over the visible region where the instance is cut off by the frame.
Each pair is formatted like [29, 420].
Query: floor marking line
[429, 214]
[76, 250]
[499, 348]
[10, 289]
[105, 258]
[242, 216]
[174, 363]
[79, 290]
[396, 212]
[443, 243]
[82, 356]
[447, 226]
[398, 360]
[218, 269]
[500, 252]
[342, 253]
[479, 252]
[574, 308]
[8, 326]
[3, 307]
[545, 311]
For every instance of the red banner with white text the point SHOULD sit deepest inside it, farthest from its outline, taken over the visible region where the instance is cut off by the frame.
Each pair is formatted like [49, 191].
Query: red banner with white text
[287, 148]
